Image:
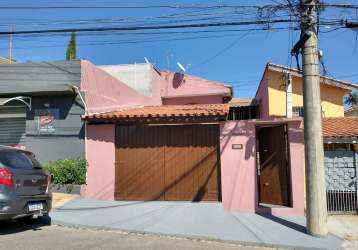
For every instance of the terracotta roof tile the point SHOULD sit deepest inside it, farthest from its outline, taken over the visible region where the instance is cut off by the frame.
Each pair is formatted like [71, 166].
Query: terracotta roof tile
[165, 111]
[342, 127]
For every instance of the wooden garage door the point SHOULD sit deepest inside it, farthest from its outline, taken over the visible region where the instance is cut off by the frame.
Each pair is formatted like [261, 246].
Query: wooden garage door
[167, 163]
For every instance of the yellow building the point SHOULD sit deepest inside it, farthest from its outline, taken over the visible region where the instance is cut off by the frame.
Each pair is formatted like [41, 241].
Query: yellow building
[280, 93]
[4, 60]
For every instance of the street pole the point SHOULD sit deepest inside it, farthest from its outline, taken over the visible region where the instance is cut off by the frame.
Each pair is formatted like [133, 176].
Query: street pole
[316, 208]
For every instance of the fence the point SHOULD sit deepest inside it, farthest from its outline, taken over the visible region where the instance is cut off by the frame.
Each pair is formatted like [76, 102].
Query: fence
[341, 181]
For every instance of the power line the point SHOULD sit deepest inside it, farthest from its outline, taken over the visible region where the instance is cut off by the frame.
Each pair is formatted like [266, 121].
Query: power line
[130, 41]
[222, 51]
[193, 6]
[160, 33]
[342, 6]
[158, 27]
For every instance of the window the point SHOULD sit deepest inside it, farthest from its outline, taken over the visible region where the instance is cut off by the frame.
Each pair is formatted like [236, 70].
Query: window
[16, 159]
[297, 111]
[243, 113]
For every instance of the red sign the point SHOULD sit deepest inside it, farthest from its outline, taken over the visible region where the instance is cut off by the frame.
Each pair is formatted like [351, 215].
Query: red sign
[46, 120]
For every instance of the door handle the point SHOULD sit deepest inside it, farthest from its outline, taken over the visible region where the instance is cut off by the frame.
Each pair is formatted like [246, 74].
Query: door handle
[266, 184]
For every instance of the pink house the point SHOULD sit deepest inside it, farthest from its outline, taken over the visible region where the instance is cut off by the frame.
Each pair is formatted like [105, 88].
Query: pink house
[154, 135]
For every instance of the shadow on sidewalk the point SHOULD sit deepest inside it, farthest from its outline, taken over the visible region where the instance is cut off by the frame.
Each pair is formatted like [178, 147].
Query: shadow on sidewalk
[286, 223]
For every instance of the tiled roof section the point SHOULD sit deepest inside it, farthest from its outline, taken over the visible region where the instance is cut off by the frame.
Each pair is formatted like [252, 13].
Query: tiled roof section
[198, 110]
[240, 102]
[324, 79]
[341, 127]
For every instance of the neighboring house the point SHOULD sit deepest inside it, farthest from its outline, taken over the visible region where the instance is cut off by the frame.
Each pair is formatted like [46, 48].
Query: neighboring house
[353, 111]
[4, 60]
[280, 93]
[341, 162]
[40, 108]
[166, 137]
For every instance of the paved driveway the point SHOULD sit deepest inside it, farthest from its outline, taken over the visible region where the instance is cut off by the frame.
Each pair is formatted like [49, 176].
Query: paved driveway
[194, 220]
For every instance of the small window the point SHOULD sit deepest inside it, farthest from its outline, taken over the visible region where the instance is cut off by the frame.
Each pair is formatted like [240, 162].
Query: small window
[297, 111]
[18, 160]
[243, 113]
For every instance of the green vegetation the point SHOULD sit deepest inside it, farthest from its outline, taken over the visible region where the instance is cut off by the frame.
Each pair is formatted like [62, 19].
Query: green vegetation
[71, 48]
[351, 99]
[68, 171]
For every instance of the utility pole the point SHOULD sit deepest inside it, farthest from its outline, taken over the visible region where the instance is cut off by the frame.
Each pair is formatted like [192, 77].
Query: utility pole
[316, 212]
[10, 45]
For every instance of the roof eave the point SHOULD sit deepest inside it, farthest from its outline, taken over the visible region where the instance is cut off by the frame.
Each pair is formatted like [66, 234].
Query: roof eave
[325, 80]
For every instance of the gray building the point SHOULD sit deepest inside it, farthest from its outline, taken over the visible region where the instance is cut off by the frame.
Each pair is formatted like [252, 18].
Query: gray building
[41, 108]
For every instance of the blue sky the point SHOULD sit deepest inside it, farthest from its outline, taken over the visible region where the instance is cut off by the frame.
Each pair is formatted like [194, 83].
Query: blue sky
[236, 57]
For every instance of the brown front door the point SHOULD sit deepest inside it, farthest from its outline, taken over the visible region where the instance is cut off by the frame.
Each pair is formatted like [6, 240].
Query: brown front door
[167, 162]
[273, 172]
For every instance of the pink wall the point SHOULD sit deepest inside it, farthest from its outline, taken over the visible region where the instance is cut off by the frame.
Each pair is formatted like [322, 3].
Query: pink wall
[104, 93]
[101, 158]
[179, 85]
[209, 99]
[238, 168]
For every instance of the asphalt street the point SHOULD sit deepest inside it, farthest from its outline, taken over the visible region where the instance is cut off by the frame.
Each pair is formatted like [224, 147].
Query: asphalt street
[41, 235]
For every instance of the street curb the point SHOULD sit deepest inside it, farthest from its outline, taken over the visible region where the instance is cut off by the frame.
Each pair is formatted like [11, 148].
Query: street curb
[186, 237]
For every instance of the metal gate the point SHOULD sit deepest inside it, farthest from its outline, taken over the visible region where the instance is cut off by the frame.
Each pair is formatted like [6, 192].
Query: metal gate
[341, 181]
[12, 125]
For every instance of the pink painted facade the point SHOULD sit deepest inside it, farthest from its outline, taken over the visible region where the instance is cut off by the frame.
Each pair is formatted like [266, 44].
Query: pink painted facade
[191, 87]
[100, 154]
[105, 93]
[238, 168]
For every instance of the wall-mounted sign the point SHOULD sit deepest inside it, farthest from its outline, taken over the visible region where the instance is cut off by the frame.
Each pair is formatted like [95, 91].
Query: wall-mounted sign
[236, 146]
[46, 119]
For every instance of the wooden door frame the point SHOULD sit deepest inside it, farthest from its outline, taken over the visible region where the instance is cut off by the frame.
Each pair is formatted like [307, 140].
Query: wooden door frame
[288, 162]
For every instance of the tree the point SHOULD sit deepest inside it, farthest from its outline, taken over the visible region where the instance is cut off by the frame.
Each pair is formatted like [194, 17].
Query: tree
[71, 48]
[351, 99]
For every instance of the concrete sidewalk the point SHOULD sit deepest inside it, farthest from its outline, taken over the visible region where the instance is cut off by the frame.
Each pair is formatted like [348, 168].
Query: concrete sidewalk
[192, 220]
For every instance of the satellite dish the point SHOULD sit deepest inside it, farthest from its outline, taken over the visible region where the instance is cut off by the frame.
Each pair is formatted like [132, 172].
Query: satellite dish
[146, 60]
[181, 66]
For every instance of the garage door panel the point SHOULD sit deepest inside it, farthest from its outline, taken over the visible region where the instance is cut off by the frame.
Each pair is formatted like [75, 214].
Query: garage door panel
[140, 164]
[190, 156]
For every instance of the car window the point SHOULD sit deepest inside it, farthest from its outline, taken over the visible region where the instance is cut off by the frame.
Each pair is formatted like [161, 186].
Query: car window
[16, 159]
[35, 163]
